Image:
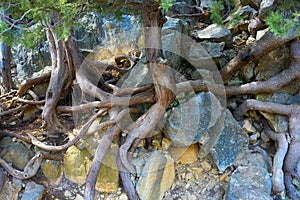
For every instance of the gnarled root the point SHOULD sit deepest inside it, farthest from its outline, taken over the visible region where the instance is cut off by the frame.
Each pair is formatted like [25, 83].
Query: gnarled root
[30, 169]
[282, 147]
[293, 156]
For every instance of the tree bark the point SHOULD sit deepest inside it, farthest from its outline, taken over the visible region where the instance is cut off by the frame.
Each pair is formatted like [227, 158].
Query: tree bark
[5, 61]
[5, 66]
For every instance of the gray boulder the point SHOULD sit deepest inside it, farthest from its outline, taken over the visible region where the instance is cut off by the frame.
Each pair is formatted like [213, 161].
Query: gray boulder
[173, 32]
[214, 33]
[19, 151]
[33, 191]
[232, 141]
[249, 182]
[187, 122]
[157, 176]
[265, 7]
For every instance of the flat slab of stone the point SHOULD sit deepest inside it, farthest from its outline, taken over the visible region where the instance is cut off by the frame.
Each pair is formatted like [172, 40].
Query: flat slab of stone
[232, 141]
[248, 183]
[157, 176]
[33, 191]
[188, 121]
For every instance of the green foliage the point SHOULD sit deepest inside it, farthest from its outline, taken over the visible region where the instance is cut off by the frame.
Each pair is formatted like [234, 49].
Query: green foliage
[281, 26]
[216, 10]
[8, 35]
[37, 13]
[235, 19]
[166, 4]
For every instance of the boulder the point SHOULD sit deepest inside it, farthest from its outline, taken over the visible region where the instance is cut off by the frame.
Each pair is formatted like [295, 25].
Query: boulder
[10, 190]
[173, 32]
[157, 176]
[20, 151]
[180, 8]
[213, 49]
[52, 170]
[256, 156]
[214, 33]
[232, 141]
[187, 122]
[185, 155]
[272, 63]
[249, 182]
[33, 191]
[78, 162]
[265, 7]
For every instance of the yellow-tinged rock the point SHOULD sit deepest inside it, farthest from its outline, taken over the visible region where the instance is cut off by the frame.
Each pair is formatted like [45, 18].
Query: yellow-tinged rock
[52, 171]
[157, 176]
[185, 155]
[78, 162]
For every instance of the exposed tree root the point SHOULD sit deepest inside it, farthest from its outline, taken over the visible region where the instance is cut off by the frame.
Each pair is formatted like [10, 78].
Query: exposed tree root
[102, 148]
[126, 177]
[253, 52]
[17, 135]
[270, 86]
[30, 169]
[82, 131]
[292, 157]
[115, 101]
[282, 148]
[44, 78]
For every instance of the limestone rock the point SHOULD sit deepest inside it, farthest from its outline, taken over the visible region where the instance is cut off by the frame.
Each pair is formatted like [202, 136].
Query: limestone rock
[272, 63]
[6, 142]
[247, 126]
[255, 157]
[213, 49]
[20, 151]
[33, 191]
[265, 7]
[157, 176]
[10, 190]
[185, 155]
[173, 32]
[214, 33]
[249, 182]
[52, 171]
[180, 8]
[78, 162]
[132, 80]
[278, 122]
[198, 56]
[231, 142]
[75, 162]
[187, 122]
[108, 178]
[30, 113]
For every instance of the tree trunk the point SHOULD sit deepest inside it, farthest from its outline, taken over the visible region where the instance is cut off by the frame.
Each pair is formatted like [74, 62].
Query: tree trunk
[62, 75]
[5, 67]
[5, 59]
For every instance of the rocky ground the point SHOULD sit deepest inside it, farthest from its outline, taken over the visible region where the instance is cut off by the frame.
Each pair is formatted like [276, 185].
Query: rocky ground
[217, 158]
